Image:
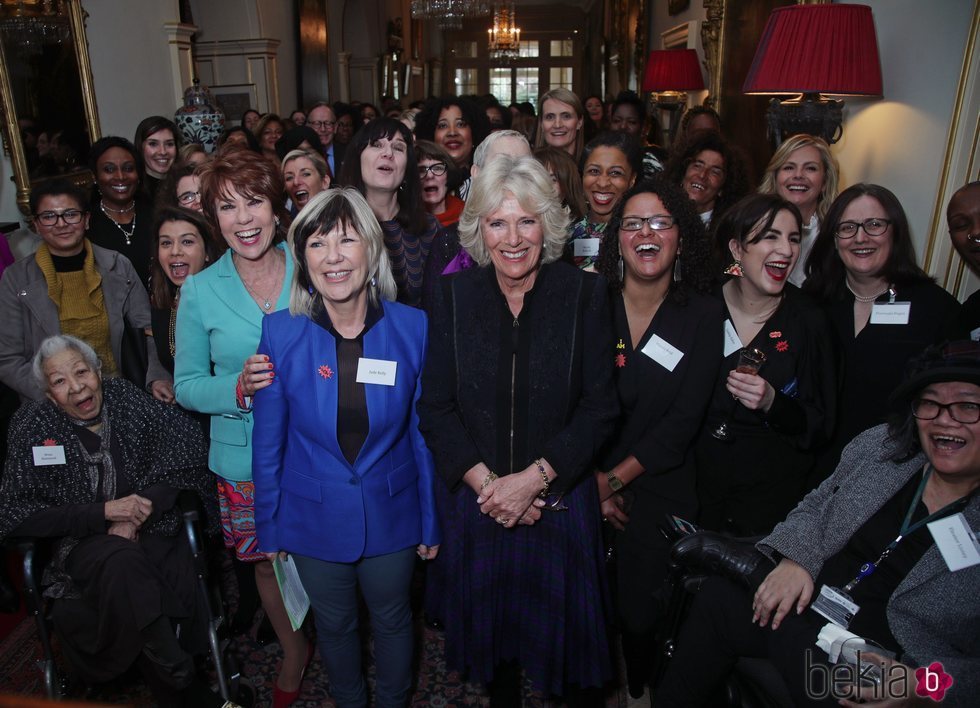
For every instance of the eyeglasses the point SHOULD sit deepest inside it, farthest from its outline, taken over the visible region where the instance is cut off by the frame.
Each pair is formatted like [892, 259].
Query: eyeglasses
[50, 218]
[438, 169]
[322, 123]
[961, 411]
[188, 197]
[657, 222]
[872, 227]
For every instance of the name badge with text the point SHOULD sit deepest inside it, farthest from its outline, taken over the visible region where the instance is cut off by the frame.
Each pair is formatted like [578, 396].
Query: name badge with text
[376, 371]
[732, 342]
[956, 541]
[890, 313]
[662, 352]
[48, 455]
[585, 247]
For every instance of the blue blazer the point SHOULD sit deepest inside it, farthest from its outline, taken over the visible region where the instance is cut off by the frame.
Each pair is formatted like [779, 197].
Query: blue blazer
[218, 328]
[308, 498]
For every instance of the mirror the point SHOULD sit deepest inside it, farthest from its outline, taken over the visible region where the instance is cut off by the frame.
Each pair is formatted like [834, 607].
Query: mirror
[46, 92]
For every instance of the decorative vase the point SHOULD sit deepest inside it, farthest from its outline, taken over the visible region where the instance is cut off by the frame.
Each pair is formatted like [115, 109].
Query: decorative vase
[200, 120]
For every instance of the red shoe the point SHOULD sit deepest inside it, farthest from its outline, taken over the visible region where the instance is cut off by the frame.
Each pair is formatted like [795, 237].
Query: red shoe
[284, 699]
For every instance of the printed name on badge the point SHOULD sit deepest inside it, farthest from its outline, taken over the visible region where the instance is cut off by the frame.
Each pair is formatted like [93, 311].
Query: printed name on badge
[585, 247]
[376, 371]
[956, 541]
[890, 313]
[48, 455]
[732, 342]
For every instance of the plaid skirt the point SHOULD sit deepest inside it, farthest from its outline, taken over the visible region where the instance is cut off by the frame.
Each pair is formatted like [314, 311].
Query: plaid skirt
[535, 594]
[236, 502]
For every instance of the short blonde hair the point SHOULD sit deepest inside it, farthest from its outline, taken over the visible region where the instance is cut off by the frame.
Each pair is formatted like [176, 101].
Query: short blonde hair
[525, 179]
[343, 206]
[831, 171]
[316, 158]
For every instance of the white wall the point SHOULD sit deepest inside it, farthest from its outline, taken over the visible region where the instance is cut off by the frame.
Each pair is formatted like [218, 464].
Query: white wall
[899, 141]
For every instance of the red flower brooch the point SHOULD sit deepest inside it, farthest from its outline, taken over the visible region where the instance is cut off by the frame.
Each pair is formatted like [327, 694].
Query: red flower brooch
[782, 346]
[49, 442]
[620, 360]
[326, 372]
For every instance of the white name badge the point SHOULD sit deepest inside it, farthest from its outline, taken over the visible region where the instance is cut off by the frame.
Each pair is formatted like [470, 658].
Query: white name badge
[48, 455]
[956, 541]
[975, 335]
[890, 313]
[585, 247]
[662, 352]
[376, 371]
[732, 342]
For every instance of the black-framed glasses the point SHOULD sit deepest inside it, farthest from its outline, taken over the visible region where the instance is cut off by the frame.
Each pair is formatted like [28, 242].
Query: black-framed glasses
[188, 197]
[967, 412]
[657, 222]
[50, 218]
[872, 227]
[322, 123]
[438, 169]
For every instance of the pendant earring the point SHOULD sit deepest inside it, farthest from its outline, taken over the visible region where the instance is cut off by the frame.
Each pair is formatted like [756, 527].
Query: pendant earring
[277, 222]
[374, 282]
[734, 270]
[311, 290]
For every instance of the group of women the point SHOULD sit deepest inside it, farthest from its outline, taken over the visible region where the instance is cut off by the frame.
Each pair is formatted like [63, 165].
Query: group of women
[545, 399]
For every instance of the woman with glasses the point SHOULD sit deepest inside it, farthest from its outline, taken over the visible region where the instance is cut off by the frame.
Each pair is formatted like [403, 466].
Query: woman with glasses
[666, 350]
[864, 533]
[883, 308]
[765, 422]
[517, 398]
[72, 286]
[181, 188]
[121, 218]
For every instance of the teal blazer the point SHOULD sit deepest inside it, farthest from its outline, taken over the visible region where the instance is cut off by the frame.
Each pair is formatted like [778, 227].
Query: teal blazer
[218, 327]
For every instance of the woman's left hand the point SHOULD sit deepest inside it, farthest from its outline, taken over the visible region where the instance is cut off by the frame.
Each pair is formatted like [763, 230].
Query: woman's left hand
[162, 391]
[751, 390]
[126, 529]
[507, 498]
[427, 553]
[898, 685]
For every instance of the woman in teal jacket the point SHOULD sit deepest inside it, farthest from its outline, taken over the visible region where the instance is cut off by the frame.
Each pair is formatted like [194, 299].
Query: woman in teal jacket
[216, 369]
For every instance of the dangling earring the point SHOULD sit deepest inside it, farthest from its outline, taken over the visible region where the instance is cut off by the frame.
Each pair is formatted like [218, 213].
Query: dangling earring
[734, 270]
[401, 187]
[311, 290]
[277, 222]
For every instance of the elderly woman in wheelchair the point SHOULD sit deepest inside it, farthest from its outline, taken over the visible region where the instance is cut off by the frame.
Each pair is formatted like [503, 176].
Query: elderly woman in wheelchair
[885, 549]
[97, 469]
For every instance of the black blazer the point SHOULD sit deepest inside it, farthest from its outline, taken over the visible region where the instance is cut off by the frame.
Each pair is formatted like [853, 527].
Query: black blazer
[662, 410]
[565, 403]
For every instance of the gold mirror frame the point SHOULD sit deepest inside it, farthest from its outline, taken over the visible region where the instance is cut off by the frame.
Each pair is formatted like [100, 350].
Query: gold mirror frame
[11, 128]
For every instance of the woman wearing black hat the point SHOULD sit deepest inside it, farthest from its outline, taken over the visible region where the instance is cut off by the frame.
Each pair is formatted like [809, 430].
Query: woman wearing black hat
[862, 535]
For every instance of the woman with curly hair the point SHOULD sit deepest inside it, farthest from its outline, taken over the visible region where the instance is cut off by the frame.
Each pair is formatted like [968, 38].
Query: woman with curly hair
[456, 124]
[666, 351]
[712, 171]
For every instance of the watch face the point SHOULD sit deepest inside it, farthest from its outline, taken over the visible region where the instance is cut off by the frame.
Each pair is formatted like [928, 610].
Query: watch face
[615, 483]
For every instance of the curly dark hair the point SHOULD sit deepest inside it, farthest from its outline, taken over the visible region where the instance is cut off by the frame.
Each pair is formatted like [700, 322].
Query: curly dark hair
[695, 111]
[825, 272]
[696, 269]
[736, 183]
[475, 117]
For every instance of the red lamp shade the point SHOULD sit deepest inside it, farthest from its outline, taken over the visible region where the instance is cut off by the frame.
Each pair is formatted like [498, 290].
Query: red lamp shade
[673, 70]
[831, 49]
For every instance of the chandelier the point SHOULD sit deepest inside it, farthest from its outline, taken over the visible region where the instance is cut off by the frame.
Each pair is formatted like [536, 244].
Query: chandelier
[449, 13]
[505, 36]
[29, 25]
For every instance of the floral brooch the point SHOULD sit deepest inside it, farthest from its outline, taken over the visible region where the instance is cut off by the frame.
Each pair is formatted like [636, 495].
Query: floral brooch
[325, 371]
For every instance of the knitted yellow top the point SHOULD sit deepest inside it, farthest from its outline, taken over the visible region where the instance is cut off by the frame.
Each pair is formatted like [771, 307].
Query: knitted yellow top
[80, 302]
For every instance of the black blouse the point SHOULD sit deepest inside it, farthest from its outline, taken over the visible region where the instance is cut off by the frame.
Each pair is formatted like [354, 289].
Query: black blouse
[104, 232]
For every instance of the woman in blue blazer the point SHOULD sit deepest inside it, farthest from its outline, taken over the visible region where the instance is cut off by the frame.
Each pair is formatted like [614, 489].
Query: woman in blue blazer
[216, 369]
[343, 478]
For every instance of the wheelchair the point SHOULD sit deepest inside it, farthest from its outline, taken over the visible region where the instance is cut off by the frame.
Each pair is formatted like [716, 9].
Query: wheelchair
[231, 687]
[754, 683]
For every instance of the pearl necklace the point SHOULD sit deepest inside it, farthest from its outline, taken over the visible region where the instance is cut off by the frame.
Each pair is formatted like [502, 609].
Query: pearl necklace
[132, 205]
[128, 235]
[866, 298]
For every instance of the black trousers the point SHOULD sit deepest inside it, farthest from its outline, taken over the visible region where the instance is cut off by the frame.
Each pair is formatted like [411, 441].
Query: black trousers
[719, 630]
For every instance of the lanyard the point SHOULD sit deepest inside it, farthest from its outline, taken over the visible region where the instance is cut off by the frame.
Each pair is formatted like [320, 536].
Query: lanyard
[908, 528]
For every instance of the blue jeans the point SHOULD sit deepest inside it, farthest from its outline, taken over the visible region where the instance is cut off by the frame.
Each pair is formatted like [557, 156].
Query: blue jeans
[384, 582]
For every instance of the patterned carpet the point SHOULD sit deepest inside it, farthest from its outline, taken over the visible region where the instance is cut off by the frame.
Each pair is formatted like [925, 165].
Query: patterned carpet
[436, 687]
